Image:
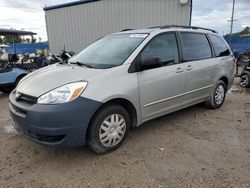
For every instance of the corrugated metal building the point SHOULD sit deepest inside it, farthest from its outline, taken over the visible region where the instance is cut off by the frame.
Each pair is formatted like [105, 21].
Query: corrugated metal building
[79, 23]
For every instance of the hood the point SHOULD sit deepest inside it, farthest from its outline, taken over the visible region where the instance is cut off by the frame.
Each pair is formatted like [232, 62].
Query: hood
[51, 77]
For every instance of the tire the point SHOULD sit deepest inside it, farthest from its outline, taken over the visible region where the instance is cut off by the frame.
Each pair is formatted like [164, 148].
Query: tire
[103, 135]
[245, 79]
[18, 80]
[6, 90]
[218, 96]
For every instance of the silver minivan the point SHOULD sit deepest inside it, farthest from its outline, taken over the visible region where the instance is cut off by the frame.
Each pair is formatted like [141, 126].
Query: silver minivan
[119, 82]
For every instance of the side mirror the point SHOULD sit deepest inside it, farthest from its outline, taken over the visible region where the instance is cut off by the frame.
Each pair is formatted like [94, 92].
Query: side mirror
[150, 63]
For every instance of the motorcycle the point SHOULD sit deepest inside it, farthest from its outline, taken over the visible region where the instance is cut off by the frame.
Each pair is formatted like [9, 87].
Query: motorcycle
[58, 58]
[243, 60]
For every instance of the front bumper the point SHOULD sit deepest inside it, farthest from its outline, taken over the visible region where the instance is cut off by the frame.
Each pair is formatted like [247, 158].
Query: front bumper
[53, 125]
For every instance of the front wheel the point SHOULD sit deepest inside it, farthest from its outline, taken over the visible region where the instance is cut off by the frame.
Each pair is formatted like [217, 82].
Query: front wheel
[218, 96]
[108, 128]
[6, 90]
[18, 80]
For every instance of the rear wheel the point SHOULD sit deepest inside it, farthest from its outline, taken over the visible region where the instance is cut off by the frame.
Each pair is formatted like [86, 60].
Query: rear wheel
[109, 128]
[218, 96]
[245, 79]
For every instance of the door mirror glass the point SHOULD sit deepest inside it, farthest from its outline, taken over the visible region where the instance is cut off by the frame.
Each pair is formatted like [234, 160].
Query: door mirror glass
[150, 63]
[159, 52]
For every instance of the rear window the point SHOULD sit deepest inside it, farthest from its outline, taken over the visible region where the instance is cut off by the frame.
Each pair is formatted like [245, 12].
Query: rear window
[219, 45]
[195, 46]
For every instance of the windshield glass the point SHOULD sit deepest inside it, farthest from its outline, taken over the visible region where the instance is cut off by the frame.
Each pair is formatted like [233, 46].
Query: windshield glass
[109, 51]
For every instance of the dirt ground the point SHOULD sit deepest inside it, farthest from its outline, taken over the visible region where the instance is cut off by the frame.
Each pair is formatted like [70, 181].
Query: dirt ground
[195, 147]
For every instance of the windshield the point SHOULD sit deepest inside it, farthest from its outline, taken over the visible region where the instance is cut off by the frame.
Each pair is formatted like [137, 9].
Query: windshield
[109, 51]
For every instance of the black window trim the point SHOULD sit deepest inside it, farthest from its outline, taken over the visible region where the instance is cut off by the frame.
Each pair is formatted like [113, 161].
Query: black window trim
[181, 44]
[211, 45]
[134, 65]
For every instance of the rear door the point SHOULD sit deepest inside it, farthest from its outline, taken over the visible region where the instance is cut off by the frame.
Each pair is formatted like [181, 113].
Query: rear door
[199, 66]
[161, 88]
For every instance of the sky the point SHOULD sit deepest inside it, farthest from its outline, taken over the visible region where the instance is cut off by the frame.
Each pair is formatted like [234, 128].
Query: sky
[214, 14]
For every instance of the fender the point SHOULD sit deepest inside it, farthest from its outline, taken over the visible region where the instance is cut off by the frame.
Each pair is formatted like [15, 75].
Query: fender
[9, 77]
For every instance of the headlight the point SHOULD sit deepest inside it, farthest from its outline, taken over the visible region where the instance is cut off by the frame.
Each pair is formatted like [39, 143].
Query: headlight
[63, 94]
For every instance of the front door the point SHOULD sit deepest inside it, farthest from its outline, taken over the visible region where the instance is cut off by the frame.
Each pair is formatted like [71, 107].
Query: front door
[161, 88]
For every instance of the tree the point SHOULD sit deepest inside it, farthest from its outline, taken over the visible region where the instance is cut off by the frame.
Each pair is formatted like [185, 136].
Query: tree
[9, 39]
[33, 40]
[28, 40]
[245, 31]
[40, 39]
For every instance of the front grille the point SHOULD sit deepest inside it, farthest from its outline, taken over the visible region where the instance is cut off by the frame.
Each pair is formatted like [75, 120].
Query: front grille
[17, 111]
[27, 99]
[38, 137]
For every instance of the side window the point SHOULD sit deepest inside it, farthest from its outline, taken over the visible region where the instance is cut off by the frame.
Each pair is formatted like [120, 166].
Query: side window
[195, 46]
[163, 47]
[219, 45]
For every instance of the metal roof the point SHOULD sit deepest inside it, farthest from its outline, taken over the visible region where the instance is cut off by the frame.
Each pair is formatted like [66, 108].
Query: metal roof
[5, 32]
[68, 4]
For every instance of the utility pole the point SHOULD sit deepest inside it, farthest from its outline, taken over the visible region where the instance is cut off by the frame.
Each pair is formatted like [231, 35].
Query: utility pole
[232, 23]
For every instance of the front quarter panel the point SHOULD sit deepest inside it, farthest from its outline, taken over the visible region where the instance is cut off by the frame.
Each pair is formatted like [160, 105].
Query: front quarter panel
[11, 76]
[114, 83]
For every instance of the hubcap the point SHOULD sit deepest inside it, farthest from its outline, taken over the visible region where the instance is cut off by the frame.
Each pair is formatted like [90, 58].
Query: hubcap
[244, 80]
[112, 130]
[219, 94]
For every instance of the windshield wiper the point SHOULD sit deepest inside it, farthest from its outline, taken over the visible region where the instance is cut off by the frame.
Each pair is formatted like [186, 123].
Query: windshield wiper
[81, 64]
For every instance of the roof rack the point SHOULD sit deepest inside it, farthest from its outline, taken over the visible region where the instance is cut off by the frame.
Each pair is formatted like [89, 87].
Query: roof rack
[126, 30]
[189, 27]
[154, 27]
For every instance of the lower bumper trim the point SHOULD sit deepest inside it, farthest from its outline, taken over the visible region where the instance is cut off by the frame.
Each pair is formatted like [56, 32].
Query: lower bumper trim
[38, 137]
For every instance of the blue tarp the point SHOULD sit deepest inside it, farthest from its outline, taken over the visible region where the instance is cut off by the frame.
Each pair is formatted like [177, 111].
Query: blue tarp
[27, 48]
[239, 43]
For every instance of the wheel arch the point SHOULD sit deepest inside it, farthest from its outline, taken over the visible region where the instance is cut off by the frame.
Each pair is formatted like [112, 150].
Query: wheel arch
[125, 103]
[225, 80]
[20, 77]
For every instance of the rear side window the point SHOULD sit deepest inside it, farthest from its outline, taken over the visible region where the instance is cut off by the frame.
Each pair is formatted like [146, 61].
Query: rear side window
[195, 46]
[219, 45]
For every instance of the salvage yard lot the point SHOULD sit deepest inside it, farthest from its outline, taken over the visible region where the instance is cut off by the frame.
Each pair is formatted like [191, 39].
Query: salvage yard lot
[194, 147]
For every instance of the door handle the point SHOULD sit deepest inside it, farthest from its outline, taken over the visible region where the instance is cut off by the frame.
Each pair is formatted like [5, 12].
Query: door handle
[179, 69]
[189, 67]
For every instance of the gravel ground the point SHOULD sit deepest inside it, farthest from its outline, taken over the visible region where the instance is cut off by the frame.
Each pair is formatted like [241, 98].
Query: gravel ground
[195, 147]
